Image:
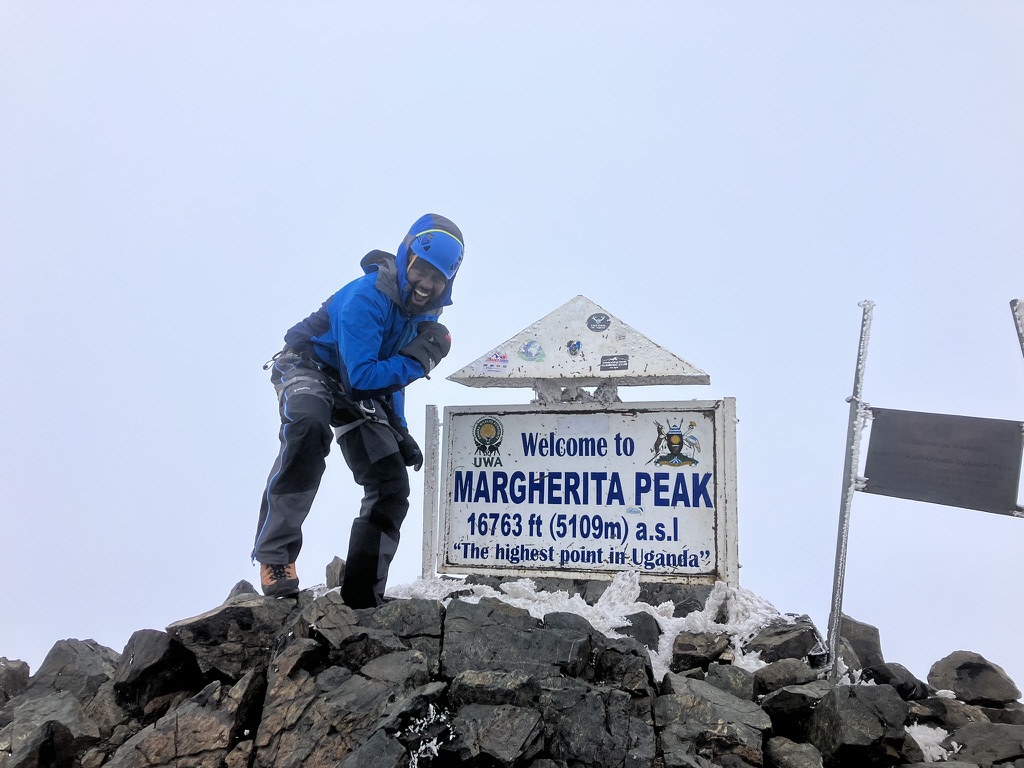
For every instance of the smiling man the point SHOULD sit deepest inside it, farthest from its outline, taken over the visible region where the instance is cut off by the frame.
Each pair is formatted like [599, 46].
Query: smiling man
[345, 367]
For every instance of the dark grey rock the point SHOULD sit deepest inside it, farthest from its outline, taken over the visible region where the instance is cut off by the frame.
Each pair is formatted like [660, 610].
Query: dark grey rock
[864, 639]
[45, 723]
[685, 598]
[231, 639]
[1011, 713]
[335, 573]
[735, 680]
[712, 720]
[154, 664]
[988, 743]
[402, 669]
[503, 734]
[314, 715]
[625, 664]
[79, 667]
[947, 713]
[780, 752]
[488, 686]
[859, 724]
[783, 640]
[692, 650]
[493, 635]
[973, 678]
[46, 744]
[242, 589]
[198, 733]
[790, 708]
[782, 673]
[104, 711]
[596, 727]
[307, 682]
[13, 678]
[899, 677]
[379, 751]
[644, 629]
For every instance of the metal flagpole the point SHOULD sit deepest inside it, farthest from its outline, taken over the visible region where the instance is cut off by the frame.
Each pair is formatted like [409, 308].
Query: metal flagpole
[1017, 307]
[851, 483]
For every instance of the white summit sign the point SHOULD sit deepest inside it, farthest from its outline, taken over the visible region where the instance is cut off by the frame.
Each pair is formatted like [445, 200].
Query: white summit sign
[578, 483]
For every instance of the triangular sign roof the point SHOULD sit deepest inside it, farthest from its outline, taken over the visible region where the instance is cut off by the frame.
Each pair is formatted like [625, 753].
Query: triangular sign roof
[579, 344]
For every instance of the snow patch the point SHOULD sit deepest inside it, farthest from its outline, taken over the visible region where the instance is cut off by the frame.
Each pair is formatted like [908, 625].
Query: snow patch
[734, 611]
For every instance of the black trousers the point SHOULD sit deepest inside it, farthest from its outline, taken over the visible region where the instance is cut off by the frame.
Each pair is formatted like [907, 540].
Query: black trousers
[311, 403]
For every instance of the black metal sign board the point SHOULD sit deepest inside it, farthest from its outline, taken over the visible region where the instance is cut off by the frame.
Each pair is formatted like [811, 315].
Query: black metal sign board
[959, 461]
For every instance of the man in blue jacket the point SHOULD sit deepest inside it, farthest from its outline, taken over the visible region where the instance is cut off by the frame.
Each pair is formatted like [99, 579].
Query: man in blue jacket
[345, 367]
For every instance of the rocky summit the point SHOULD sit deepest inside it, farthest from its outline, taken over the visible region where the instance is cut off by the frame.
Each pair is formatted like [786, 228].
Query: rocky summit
[474, 681]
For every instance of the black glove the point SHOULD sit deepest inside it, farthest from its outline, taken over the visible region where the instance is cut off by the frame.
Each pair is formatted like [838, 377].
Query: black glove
[411, 453]
[430, 347]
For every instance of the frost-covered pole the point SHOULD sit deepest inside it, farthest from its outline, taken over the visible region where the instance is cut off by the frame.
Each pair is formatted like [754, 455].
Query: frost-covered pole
[430, 475]
[1017, 307]
[851, 483]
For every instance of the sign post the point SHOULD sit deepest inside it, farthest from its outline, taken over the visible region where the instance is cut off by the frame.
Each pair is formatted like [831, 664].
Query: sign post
[958, 461]
[1017, 308]
[850, 483]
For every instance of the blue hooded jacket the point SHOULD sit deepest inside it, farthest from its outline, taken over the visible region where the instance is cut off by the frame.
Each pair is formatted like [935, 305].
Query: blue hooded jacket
[360, 329]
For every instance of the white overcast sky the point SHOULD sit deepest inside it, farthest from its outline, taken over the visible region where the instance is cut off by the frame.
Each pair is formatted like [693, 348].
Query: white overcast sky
[181, 182]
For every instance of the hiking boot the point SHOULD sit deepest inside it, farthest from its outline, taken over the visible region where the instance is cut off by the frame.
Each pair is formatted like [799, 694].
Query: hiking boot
[279, 580]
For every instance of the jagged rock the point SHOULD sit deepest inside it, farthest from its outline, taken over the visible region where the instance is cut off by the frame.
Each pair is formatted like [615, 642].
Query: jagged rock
[242, 589]
[417, 623]
[494, 635]
[692, 650]
[782, 673]
[105, 712]
[47, 744]
[899, 677]
[309, 683]
[973, 678]
[315, 718]
[643, 628]
[13, 678]
[864, 639]
[707, 717]
[79, 667]
[859, 724]
[735, 680]
[43, 727]
[232, 638]
[335, 573]
[380, 751]
[504, 733]
[790, 708]
[153, 664]
[780, 752]
[488, 686]
[783, 640]
[685, 598]
[948, 713]
[198, 734]
[988, 743]
[1011, 713]
[596, 727]
[625, 664]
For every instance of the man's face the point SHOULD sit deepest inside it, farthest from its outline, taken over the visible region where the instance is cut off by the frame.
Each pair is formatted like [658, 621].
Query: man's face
[427, 284]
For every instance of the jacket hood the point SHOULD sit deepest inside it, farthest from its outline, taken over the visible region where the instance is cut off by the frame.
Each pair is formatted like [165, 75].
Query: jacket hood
[436, 240]
[383, 263]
